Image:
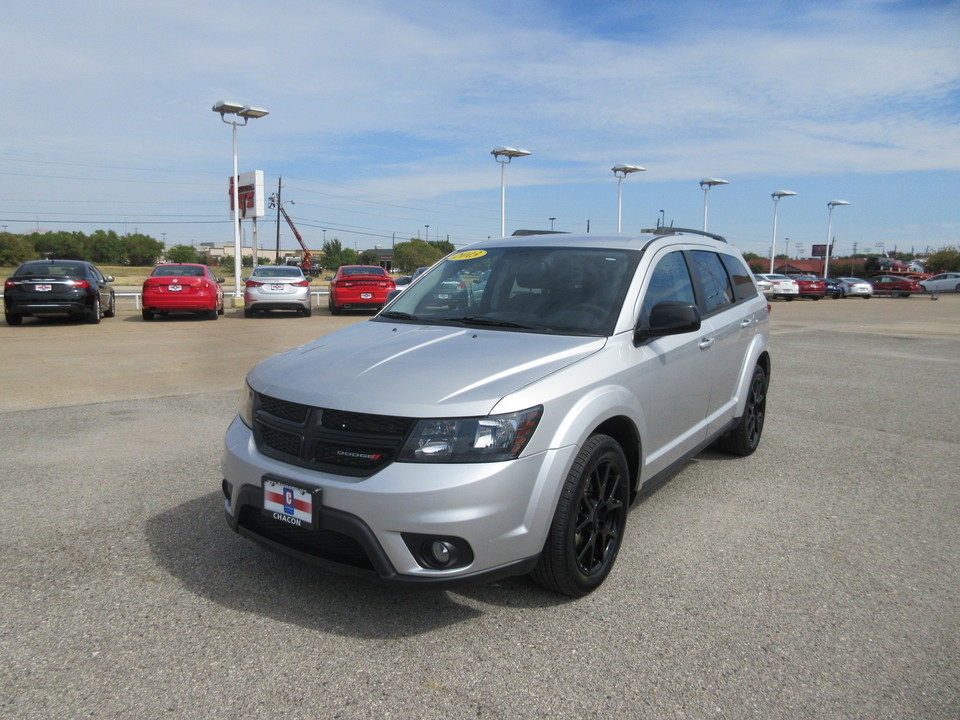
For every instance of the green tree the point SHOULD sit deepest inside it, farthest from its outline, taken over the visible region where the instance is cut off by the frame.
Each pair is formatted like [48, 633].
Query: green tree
[142, 249]
[182, 254]
[408, 256]
[369, 257]
[333, 254]
[444, 246]
[61, 245]
[944, 260]
[15, 250]
[106, 247]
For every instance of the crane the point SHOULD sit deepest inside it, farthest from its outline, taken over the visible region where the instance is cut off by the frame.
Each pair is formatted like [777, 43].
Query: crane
[306, 264]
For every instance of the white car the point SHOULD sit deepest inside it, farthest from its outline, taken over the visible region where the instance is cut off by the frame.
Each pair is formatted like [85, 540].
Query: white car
[276, 287]
[766, 287]
[784, 287]
[855, 287]
[508, 434]
[944, 282]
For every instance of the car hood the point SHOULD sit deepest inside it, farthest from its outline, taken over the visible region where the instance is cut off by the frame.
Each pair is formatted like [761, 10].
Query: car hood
[416, 370]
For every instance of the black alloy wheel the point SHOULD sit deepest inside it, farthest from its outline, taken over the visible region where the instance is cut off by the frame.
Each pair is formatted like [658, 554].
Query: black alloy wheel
[745, 437]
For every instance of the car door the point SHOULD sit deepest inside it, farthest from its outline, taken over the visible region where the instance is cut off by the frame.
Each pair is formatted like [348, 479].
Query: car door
[673, 375]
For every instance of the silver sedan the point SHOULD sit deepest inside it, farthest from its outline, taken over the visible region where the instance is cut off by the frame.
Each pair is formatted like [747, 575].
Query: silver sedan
[280, 287]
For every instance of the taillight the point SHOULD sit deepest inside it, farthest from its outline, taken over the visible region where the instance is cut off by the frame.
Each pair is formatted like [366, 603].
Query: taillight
[82, 284]
[253, 283]
[302, 283]
[11, 283]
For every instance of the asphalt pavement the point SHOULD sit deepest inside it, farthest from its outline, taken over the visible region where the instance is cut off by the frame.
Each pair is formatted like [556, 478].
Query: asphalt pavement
[815, 579]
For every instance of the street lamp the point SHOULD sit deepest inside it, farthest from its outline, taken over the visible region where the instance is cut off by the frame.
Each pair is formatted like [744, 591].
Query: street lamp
[826, 253]
[621, 171]
[503, 155]
[246, 112]
[551, 223]
[705, 185]
[773, 239]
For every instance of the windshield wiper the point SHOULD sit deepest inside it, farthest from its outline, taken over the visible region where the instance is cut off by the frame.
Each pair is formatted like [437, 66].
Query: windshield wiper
[397, 315]
[477, 320]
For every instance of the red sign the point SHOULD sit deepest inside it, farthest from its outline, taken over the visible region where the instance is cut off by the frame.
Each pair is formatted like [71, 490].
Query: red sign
[247, 197]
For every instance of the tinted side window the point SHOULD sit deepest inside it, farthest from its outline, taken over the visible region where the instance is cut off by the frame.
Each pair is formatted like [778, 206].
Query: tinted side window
[743, 285]
[714, 282]
[670, 281]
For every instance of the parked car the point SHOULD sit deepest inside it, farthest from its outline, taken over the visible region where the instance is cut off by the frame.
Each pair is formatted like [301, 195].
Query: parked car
[276, 287]
[944, 282]
[358, 287]
[766, 287]
[784, 287]
[890, 285]
[182, 288]
[58, 287]
[432, 445]
[808, 286]
[831, 287]
[855, 287]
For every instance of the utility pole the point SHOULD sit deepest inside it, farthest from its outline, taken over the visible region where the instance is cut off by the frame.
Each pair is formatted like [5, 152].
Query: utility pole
[276, 260]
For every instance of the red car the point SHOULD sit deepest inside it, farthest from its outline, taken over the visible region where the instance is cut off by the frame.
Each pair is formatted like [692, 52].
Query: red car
[810, 286]
[891, 285]
[182, 287]
[357, 287]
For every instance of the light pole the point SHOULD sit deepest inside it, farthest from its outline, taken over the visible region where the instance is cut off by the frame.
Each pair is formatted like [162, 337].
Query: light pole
[705, 185]
[551, 223]
[621, 171]
[246, 112]
[773, 238]
[503, 155]
[826, 253]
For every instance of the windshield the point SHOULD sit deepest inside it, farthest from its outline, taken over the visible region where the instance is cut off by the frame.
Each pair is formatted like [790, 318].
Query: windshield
[571, 291]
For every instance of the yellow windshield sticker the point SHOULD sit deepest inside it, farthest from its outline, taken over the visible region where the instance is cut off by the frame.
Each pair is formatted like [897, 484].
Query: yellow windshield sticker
[467, 255]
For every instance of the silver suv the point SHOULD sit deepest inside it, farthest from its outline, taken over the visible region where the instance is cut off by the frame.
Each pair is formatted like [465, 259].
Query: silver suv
[507, 434]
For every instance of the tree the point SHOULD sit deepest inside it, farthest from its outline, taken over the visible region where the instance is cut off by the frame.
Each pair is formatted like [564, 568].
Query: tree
[444, 246]
[333, 254]
[182, 254]
[61, 245]
[369, 257]
[944, 260]
[142, 249]
[15, 250]
[410, 255]
[105, 247]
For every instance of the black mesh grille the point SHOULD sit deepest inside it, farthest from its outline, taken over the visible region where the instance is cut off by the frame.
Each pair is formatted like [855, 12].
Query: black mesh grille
[346, 443]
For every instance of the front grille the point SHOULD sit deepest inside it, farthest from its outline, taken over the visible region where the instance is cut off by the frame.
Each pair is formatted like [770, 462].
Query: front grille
[337, 441]
[324, 544]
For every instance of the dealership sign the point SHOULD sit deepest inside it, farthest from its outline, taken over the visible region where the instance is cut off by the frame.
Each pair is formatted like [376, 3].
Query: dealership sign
[250, 194]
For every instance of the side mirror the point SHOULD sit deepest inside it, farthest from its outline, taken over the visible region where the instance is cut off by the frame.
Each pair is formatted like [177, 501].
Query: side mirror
[668, 318]
[110, 278]
[220, 280]
[328, 278]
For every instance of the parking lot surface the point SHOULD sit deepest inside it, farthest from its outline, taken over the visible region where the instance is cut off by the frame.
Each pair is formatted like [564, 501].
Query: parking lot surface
[815, 579]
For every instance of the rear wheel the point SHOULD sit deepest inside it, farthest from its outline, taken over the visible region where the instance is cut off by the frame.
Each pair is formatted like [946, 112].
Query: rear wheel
[147, 314]
[13, 318]
[745, 437]
[247, 313]
[307, 312]
[93, 316]
[589, 523]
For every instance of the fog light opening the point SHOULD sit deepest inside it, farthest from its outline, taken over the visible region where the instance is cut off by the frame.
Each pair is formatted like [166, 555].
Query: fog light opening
[227, 490]
[440, 553]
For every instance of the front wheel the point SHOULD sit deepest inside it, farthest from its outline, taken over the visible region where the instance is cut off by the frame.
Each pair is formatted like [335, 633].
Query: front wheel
[589, 522]
[745, 437]
[111, 310]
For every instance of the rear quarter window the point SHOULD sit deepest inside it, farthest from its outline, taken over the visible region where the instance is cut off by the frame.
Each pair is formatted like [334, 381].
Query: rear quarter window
[743, 285]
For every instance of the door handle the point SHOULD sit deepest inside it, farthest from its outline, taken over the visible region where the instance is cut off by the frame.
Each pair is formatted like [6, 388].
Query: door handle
[706, 343]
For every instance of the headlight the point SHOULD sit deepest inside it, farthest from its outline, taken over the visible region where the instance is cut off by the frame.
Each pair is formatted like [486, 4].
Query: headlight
[461, 440]
[246, 406]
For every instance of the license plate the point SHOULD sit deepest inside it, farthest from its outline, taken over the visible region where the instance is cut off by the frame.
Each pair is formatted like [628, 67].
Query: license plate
[443, 296]
[366, 296]
[44, 288]
[277, 286]
[175, 288]
[290, 503]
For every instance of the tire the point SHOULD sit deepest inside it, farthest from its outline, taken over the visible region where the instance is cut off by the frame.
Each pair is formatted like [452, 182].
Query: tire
[589, 522]
[93, 316]
[334, 310]
[13, 319]
[743, 439]
[307, 312]
[212, 314]
[247, 313]
[957, 288]
[146, 314]
[220, 309]
[112, 307]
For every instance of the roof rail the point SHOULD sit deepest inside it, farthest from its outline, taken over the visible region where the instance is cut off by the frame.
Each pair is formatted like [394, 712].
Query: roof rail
[525, 233]
[663, 230]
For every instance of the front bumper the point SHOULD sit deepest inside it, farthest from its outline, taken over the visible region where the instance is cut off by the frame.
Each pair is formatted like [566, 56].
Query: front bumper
[501, 511]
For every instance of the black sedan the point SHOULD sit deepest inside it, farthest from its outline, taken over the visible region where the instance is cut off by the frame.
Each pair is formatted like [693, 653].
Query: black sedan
[58, 287]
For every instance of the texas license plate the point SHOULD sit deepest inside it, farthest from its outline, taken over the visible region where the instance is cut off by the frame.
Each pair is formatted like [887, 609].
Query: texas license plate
[175, 288]
[366, 296]
[277, 286]
[44, 288]
[290, 503]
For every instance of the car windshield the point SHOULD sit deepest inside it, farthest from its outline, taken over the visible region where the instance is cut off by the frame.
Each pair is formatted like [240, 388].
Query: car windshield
[177, 271]
[571, 291]
[277, 272]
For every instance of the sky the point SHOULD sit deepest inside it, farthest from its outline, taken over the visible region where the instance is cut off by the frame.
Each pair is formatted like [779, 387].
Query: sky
[383, 115]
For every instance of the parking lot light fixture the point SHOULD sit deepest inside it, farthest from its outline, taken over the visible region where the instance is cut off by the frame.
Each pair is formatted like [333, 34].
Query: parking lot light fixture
[705, 185]
[776, 195]
[503, 154]
[826, 253]
[246, 112]
[621, 171]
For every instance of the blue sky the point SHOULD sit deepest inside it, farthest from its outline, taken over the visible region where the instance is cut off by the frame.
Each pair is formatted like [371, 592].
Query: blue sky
[383, 115]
